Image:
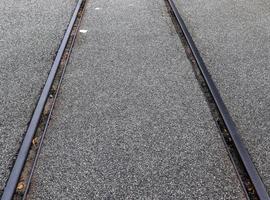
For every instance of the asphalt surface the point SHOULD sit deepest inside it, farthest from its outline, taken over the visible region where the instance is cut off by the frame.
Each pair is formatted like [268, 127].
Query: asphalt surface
[131, 121]
[233, 38]
[31, 32]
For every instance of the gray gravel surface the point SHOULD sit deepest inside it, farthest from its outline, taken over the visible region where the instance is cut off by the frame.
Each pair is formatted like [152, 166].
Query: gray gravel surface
[30, 32]
[233, 37]
[131, 121]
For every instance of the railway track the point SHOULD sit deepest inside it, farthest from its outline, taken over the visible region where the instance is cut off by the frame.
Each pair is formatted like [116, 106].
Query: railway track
[253, 185]
[20, 178]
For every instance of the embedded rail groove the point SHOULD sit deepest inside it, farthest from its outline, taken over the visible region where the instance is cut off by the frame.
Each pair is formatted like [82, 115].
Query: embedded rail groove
[22, 156]
[251, 182]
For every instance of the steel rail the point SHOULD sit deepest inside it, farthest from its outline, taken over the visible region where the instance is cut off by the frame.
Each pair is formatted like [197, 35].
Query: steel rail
[26, 144]
[242, 151]
[51, 110]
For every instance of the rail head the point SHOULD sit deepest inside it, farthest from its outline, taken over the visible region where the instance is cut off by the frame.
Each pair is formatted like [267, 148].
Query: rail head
[16, 171]
[242, 151]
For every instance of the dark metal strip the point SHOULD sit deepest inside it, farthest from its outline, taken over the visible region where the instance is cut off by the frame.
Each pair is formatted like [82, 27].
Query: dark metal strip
[52, 107]
[249, 166]
[26, 144]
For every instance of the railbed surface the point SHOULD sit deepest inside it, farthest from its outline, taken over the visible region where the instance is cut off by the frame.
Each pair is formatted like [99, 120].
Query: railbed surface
[131, 121]
[233, 38]
[30, 34]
